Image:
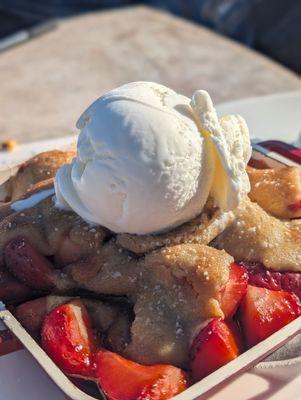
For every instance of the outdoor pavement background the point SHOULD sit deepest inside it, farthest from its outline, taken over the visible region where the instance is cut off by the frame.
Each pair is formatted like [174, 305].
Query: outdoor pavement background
[48, 82]
[272, 27]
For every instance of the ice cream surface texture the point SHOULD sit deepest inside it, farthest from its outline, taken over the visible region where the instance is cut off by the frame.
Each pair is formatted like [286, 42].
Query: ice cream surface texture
[148, 158]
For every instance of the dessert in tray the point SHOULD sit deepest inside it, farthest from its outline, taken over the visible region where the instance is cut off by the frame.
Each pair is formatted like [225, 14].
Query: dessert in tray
[156, 255]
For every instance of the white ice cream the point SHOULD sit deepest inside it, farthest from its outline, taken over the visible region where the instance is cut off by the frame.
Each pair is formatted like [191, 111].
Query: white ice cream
[148, 158]
[230, 141]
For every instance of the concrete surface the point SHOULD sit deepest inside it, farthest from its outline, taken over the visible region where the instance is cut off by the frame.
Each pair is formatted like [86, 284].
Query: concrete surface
[46, 83]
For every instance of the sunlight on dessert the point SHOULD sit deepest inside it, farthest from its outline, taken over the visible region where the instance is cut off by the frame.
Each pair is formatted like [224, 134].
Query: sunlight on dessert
[149, 158]
[228, 138]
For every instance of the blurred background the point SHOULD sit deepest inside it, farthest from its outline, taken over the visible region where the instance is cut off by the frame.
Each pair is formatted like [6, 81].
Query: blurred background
[57, 56]
[272, 27]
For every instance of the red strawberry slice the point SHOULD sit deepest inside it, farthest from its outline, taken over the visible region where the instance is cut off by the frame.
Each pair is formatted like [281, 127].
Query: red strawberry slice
[235, 290]
[265, 311]
[11, 288]
[215, 346]
[273, 280]
[296, 206]
[122, 379]
[28, 265]
[67, 338]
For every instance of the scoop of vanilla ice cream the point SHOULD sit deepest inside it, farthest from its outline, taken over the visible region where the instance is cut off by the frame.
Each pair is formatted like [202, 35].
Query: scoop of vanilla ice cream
[142, 165]
[148, 158]
[229, 139]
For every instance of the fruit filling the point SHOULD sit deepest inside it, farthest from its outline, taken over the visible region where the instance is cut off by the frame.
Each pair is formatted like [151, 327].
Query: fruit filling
[121, 379]
[273, 280]
[216, 345]
[263, 312]
[67, 337]
[296, 206]
[84, 336]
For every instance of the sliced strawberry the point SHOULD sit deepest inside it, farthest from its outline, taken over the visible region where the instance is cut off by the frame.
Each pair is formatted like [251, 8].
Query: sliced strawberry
[265, 311]
[273, 280]
[11, 288]
[296, 206]
[122, 379]
[235, 290]
[67, 338]
[28, 265]
[215, 346]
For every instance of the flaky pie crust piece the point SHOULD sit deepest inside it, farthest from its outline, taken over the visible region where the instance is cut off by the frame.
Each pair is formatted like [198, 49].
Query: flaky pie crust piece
[276, 190]
[202, 229]
[8, 208]
[42, 166]
[257, 236]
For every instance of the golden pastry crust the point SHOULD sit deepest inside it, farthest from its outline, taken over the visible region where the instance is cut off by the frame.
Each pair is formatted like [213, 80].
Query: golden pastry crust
[49, 228]
[257, 236]
[202, 229]
[205, 269]
[277, 190]
[178, 292]
[295, 224]
[7, 208]
[42, 166]
[173, 290]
